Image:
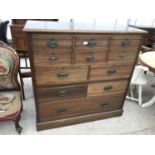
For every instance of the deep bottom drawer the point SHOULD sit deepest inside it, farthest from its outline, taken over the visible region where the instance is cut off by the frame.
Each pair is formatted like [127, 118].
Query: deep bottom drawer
[49, 111]
[78, 119]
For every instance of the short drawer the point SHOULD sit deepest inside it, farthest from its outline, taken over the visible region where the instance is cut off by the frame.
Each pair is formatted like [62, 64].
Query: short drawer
[127, 43]
[47, 42]
[89, 41]
[58, 110]
[127, 36]
[107, 87]
[61, 93]
[47, 59]
[90, 56]
[61, 75]
[122, 56]
[105, 72]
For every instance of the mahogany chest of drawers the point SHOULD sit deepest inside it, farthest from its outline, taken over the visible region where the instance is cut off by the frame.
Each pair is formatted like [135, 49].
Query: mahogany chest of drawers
[80, 73]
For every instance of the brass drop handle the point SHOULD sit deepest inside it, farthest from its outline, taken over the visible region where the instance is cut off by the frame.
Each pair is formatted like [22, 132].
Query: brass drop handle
[125, 42]
[104, 104]
[2, 87]
[62, 110]
[52, 57]
[62, 75]
[62, 93]
[108, 88]
[90, 58]
[111, 71]
[52, 43]
[90, 43]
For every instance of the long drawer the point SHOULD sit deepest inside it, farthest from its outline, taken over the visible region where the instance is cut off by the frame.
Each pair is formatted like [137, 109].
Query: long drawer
[110, 87]
[109, 72]
[61, 75]
[58, 110]
[61, 92]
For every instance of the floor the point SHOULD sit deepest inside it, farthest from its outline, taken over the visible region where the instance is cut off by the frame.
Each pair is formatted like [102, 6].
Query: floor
[135, 120]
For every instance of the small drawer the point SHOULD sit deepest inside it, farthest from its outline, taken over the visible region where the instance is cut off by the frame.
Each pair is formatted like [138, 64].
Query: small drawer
[107, 87]
[90, 41]
[126, 43]
[47, 59]
[42, 42]
[61, 93]
[127, 36]
[109, 72]
[58, 110]
[123, 56]
[88, 56]
[61, 75]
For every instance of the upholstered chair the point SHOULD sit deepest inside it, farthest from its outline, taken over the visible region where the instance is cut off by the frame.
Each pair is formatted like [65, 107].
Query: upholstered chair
[10, 96]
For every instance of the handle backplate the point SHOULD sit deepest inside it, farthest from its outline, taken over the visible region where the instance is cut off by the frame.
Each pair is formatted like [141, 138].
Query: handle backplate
[107, 88]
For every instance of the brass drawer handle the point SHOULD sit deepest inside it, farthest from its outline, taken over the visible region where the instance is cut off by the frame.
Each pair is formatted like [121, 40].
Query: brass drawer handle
[62, 93]
[90, 58]
[125, 42]
[122, 55]
[104, 104]
[52, 58]
[111, 71]
[62, 110]
[91, 42]
[62, 75]
[52, 43]
[108, 88]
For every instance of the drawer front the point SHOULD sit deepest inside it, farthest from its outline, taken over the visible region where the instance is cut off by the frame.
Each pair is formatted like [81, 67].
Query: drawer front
[51, 42]
[58, 110]
[127, 36]
[89, 41]
[88, 56]
[61, 93]
[61, 75]
[127, 43]
[47, 59]
[107, 87]
[110, 72]
[122, 56]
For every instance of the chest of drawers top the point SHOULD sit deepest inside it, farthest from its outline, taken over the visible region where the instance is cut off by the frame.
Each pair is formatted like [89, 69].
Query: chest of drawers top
[73, 27]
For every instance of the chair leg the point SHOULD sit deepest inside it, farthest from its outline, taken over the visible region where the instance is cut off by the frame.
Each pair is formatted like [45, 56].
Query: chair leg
[22, 88]
[131, 91]
[140, 95]
[17, 126]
